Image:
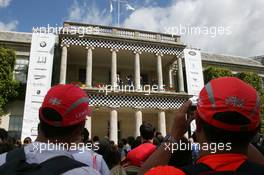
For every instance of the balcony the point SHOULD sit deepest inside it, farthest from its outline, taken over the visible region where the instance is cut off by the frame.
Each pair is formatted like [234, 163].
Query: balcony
[125, 71]
[82, 30]
[97, 57]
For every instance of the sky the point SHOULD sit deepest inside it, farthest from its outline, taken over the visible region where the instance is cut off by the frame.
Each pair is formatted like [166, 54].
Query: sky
[233, 27]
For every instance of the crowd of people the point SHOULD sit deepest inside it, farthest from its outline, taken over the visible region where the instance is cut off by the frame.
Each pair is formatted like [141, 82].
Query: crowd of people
[8, 143]
[227, 118]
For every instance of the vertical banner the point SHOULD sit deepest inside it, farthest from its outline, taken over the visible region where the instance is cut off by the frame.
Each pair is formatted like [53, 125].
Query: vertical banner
[194, 76]
[38, 80]
[194, 71]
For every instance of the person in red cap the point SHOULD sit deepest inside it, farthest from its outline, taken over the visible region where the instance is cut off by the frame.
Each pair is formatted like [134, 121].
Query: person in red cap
[62, 119]
[138, 155]
[227, 119]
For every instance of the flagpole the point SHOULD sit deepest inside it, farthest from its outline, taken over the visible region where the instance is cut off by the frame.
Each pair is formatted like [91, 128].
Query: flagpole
[118, 13]
[118, 8]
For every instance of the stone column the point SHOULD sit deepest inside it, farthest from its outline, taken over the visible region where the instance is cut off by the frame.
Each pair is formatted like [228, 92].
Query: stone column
[171, 78]
[88, 125]
[159, 71]
[137, 70]
[89, 66]
[63, 66]
[138, 122]
[180, 75]
[162, 122]
[114, 68]
[113, 134]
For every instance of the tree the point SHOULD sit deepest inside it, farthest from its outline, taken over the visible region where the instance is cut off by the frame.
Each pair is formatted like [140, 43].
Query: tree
[215, 72]
[254, 80]
[8, 86]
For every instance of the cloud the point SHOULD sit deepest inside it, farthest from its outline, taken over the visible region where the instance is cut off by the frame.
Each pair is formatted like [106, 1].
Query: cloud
[4, 3]
[242, 19]
[8, 26]
[12, 25]
[88, 13]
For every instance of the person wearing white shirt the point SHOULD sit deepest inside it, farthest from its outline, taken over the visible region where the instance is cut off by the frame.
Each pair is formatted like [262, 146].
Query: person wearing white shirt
[62, 119]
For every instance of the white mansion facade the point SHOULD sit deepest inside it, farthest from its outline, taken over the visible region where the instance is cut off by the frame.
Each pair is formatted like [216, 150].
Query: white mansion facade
[131, 76]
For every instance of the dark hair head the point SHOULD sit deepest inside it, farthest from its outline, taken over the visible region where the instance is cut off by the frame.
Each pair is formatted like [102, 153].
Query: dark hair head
[157, 134]
[130, 140]
[103, 143]
[18, 143]
[111, 142]
[156, 141]
[95, 139]
[27, 140]
[53, 132]
[124, 141]
[7, 145]
[3, 134]
[147, 131]
[111, 156]
[239, 140]
[120, 144]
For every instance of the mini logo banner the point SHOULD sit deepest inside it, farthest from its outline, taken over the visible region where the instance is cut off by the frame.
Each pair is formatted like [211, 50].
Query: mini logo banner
[38, 81]
[194, 71]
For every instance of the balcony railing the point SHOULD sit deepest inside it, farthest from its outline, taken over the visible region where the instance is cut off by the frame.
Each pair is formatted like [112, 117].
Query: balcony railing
[89, 29]
[106, 89]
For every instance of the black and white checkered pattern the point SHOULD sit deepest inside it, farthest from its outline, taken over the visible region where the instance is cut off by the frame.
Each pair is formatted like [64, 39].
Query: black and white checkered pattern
[121, 45]
[136, 101]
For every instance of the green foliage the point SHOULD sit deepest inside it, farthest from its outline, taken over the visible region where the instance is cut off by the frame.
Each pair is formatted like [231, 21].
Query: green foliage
[249, 77]
[256, 81]
[215, 72]
[8, 86]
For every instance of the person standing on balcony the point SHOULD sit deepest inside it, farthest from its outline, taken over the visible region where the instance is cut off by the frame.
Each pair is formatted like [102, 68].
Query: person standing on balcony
[129, 80]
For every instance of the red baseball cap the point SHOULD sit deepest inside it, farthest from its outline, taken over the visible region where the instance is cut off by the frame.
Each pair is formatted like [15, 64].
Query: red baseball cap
[164, 170]
[70, 101]
[229, 94]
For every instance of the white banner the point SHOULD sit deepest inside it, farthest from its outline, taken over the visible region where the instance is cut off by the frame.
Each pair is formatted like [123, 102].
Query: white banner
[38, 80]
[194, 71]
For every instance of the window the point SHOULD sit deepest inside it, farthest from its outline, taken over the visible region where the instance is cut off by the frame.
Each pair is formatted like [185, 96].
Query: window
[20, 70]
[15, 126]
[82, 75]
